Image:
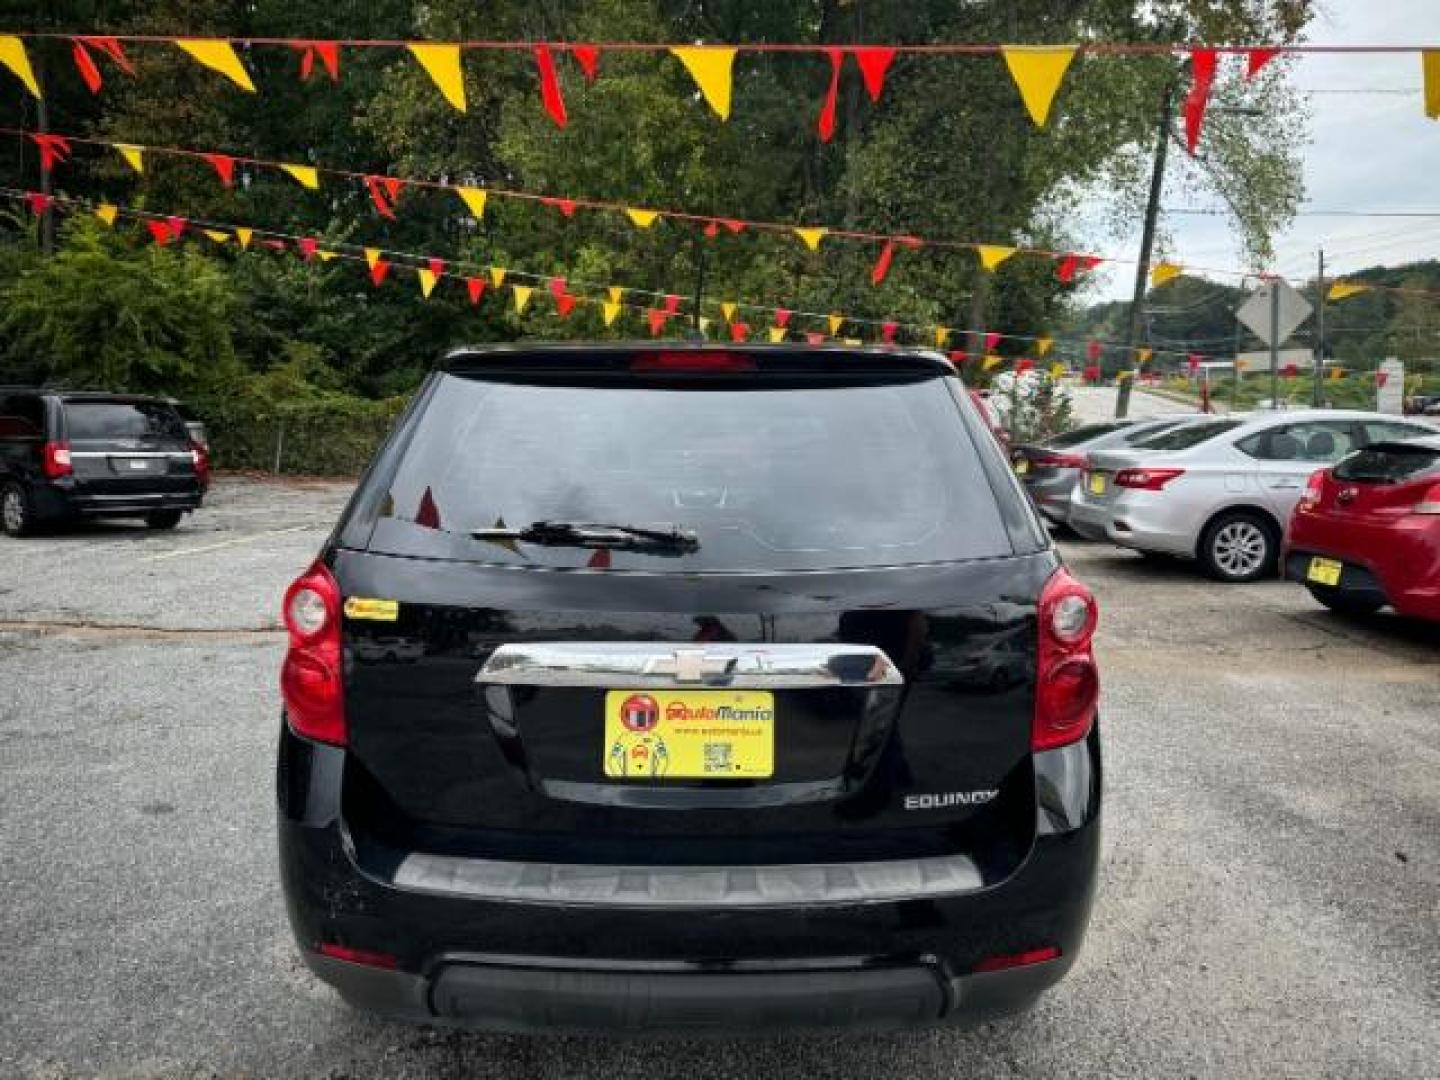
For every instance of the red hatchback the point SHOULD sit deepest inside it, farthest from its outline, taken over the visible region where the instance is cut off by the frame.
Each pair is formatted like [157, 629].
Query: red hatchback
[1367, 532]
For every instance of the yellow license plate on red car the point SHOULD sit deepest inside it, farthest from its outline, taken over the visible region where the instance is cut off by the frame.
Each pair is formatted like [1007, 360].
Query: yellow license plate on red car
[1022, 466]
[1324, 571]
[689, 735]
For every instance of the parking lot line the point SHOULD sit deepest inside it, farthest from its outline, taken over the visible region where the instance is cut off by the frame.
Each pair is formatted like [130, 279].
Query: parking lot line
[225, 543]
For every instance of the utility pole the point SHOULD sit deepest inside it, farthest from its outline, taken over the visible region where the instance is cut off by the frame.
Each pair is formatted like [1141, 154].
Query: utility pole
[1147, 246]
[1319, 331]
[1274, 345]
[699, 278]
[42, 126]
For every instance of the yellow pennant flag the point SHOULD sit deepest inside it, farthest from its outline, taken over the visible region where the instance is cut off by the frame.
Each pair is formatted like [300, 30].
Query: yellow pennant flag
[1430, 62]
[428, 279]
[643, 219]
[710, 67]
[1337, 373]
[243, 235]
[219, 236]
[836, 321]
[323, 256]
[442, 64]
[12, 55]
[1142, 356]
[812, 237]
[522, 295]
[1042, 345]
[218, 55]
[777, 334]
[1057, 369]
[728, 310]
[991, 361]
[611, 311]
[1342, 289]
[306, 175]
[134, 156]
[497, 276]
[106, 213]
[1166, 271]
[372, 256]
[942, 336]
[474, 200]
[616, 294]
[992, 256]
[1038, 73]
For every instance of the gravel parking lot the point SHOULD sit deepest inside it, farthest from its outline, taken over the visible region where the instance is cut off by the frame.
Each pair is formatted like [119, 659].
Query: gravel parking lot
[1270, 903]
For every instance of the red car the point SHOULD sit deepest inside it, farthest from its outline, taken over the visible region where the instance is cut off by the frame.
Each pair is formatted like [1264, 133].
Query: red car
[1367, 532]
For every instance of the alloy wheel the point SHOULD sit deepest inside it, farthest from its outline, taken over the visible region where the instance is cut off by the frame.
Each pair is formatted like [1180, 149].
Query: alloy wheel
[1240, 549]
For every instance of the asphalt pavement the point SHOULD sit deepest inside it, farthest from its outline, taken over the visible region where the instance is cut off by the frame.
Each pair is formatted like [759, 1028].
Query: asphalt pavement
[1270, 901]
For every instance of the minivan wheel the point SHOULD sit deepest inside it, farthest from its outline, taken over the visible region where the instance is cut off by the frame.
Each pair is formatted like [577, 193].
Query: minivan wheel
[1343, 603]
[16, 516]
[1239, 546]
[163, 519]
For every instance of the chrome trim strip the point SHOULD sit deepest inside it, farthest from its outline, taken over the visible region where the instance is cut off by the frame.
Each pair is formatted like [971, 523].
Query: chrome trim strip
[627, 664]
[185, 454]
[690, 886]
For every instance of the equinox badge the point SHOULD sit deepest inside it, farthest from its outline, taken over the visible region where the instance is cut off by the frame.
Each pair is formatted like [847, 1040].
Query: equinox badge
[942, 799]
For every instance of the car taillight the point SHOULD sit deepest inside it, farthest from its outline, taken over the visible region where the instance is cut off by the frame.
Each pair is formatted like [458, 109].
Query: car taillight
[201, 459]
[1067, 682]
[693, 362]
[1313, 489]
[1146, 479]
[56, 460]
[310, 678]
[1061, 461]
[1429, 502]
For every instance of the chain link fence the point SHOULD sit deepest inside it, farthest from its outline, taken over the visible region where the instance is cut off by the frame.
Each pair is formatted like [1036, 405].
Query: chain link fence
[331, 438]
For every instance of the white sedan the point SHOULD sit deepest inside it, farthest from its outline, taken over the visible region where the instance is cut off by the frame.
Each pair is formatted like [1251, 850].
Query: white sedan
[1221, 491]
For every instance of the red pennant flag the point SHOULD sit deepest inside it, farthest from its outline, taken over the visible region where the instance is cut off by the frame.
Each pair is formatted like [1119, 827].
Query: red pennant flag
[177, 226]
[1381, 378]
[782, 317]
[384, 191]
[600, 560]
[1193, 362]
[1290, 371]
[874, 63]
[1093, 350]
[39, 203]
[882, 264]
[588, 57]
[1023, 365]
[827, 111]
[734, 225]
[327, 51]
[565, 206]
[428, 516]
[1091, 373]
[814, 337]
[159, 231]
[550, 85]
[53, 149]
[556, 286]
[378, 272]
[1255, 59]
[476, 288]
[712, 230]
[564, 304]
[437, 267]
[1202, 78]
[957, 356]
[86, 65]
[224, 166]
[657, 319]
[887, 331]
[672, 303]
[1071, 265]
[274, 245]
[308, 245]
[739, 331]
[991, 340]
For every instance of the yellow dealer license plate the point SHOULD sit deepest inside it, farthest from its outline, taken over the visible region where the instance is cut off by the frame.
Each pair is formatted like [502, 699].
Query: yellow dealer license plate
[1324, 571]
[1022, 466]
[689, 734]
[1097, 483]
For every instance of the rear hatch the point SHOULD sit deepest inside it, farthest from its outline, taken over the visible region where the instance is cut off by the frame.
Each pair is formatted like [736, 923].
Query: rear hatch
[128, 447]
[834, 661]
[1382, 481]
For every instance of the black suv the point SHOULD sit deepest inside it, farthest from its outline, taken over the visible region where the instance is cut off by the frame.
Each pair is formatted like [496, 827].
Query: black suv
[68, 454]
[689, 688]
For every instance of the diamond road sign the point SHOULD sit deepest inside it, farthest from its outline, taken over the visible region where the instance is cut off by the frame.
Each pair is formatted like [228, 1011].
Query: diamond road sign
[1292, 310]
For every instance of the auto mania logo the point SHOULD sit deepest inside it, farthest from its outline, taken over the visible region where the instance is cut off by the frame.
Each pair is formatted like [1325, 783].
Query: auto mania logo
[678, 712]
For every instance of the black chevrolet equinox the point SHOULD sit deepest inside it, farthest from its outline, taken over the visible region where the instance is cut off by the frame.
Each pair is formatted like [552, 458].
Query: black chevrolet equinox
[686, 688]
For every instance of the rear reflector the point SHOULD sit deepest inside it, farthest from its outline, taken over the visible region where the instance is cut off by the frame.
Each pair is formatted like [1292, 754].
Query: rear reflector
[1021, 959]
[693, 361]
[358, 956]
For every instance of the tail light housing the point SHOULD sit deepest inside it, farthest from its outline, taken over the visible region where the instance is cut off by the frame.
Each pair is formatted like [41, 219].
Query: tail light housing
[1060, 461]
[55, 460]
[310, 678]
[1429, 502]
[201, 457]
[1146, 479]
[701, 362]
[1314, 487]
[1067, 682]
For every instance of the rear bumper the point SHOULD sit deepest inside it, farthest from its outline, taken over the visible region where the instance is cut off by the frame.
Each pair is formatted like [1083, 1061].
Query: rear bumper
[1407, 580]
[1148, 521]
[497, 963]
[1051, 495]
[70, 499]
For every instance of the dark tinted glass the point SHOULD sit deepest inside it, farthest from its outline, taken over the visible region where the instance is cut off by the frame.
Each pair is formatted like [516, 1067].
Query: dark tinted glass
[767, 478]
[1082, 434]
[1182, 438]
[122, 420]
[1148, 431]
[1387, 464]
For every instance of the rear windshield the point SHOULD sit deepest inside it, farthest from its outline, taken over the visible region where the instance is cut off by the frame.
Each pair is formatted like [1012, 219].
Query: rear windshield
[809, 478]
[1149, 431]
[122, 420]
[1082, 434]
[1188, 435]
[1387, 464]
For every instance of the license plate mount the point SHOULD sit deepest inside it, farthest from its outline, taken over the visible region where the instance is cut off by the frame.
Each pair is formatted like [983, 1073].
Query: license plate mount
[1324, 571]
[1097, 483]
[653, 735]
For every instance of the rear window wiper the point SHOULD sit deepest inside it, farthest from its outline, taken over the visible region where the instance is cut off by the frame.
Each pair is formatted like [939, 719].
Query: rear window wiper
[660, 540]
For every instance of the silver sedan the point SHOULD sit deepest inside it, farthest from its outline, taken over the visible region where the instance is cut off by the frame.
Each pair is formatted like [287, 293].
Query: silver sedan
[1221, 491]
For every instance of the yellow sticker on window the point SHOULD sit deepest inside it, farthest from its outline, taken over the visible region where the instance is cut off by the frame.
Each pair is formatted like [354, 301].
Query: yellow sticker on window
[361, 607]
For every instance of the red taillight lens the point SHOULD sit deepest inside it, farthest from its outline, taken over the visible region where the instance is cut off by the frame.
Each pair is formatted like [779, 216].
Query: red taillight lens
[310, 678]
[201, 457]
[56, 460]
[1067, 682]
[358, 956]
[692, 361]
[1020, 959]
[1429, 502]
[1314, 487]
[1146, 479]
[1061, 461]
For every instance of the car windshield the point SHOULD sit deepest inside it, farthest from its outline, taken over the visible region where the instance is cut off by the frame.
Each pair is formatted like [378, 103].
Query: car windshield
[1188, 435]
[765, 478]
[1081, 435]
[122, 420]
[1387, 464]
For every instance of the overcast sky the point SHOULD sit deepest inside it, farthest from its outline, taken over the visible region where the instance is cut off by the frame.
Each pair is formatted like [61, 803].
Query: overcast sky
[1367, 152]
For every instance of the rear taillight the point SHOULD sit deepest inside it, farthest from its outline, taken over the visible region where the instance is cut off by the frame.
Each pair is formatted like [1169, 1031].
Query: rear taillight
[717, 361]
[1429, 502]
[56, 460]
[1060, 461]
[1067, 682]
[310, 678]
[1146, 479]
[1314, 487]
[201, 459]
